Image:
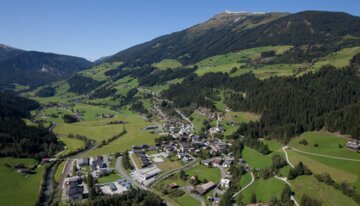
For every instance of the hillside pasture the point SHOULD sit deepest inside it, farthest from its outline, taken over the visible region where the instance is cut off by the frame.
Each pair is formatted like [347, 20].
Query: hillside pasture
[18, 189]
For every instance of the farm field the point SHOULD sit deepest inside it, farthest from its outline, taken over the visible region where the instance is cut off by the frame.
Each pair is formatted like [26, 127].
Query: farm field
[257, 160]
[224, 63]
[326, 194]
[96, 130]
[71, 145]
[338, 59]
[135, 136]
[17, 189]
[264, 190]
[328, 144]
[339, 170]
[98, 72]
[167, 64]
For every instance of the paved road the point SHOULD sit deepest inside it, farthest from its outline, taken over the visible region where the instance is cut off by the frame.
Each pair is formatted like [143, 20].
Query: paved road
[286, 156]
[327, 156]
[121, 170]
[248, 185]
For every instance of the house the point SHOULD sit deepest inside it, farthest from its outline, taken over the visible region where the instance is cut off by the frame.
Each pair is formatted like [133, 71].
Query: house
[227, 163]
[73, 189]
[184, 146]
[225, 182]
[82, 162]
[207, 162]
[216, 162]
[204, 188]
[112, 187]
[169, 149]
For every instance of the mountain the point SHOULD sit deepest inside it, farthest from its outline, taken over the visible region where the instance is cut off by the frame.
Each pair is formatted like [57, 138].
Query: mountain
[7, 52]
[34, 68]
[234, 31]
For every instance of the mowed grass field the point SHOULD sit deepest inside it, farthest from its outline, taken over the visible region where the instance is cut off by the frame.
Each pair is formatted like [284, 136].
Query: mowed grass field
[17, 189]
[338, 59]
[98, 72]
[71, 145]
[97, 130]
[224, 63]
[320, 191]
[264, 190]
[167, 64]
[203, 172]
[257, 160]
[328, 144]
[339, 170]
[135, 135]
[187, 200]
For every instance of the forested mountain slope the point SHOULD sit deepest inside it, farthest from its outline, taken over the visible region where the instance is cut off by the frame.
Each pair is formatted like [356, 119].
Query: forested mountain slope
[229, 32]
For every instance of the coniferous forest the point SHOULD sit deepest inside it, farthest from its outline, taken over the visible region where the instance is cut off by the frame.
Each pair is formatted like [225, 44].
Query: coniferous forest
[18, 139]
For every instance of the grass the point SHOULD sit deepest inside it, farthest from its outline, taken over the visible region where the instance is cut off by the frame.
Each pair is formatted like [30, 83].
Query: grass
[264, 190]
[168, 165]
[339, 170]
[59, 170]
[257, 160]
[17, 189]
[224, 63]
[328, 144]
[172, 179]
[167, 64]
[135, 136]
[197, 120]
[245, 180]
[71, 144]
[186, 200]
[203, 172]
[109, 178]
[326, 194]
[241, 117]
[97, 130]
[98, 72]
[135, 159]
[338, 59]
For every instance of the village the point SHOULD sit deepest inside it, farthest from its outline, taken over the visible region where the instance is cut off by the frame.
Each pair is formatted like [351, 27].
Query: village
[180, 147]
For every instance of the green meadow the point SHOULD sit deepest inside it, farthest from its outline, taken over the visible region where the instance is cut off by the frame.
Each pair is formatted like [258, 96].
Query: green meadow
[224, 63]
[167, 64]
[338, 59]
[320, 191]
[135, 135]
[264, 190]
[18, 189]
[71, 145]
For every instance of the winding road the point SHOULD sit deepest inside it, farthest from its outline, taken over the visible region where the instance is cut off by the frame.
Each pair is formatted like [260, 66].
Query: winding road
[284, 148]
[248, 185]
[284, 179]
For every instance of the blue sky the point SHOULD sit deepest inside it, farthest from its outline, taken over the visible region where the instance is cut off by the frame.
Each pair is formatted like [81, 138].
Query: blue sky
[96, 28]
